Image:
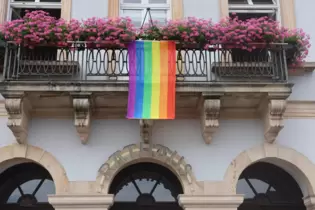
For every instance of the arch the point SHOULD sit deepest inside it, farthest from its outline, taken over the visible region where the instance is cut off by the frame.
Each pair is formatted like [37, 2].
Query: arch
[293, 162]
[16, 153]
[158, 154]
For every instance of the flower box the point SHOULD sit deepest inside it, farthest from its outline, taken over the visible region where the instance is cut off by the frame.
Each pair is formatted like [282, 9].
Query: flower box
[190, 46]
[290, 53]
[2, 43]
[257, 53]
[106, 45]
[248, 37]
[44, 53]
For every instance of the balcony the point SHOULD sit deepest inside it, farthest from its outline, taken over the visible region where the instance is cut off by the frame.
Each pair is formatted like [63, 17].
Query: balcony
[92, 83]
[79, 63]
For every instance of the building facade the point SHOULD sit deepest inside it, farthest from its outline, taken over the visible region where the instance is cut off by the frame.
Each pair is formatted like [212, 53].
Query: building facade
[236, 143]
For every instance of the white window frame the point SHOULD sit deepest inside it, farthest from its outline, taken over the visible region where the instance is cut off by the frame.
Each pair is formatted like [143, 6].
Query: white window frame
[143, 7]
[250, 7]
[37, 4]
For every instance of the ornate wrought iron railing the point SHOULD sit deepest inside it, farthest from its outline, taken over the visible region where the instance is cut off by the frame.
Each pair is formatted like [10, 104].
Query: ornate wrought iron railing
[80, 62]
[2, 54]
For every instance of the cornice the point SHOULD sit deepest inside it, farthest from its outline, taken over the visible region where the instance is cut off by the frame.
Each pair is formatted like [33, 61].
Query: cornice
[295, 110]
[300, 110]
[75, 201]
[306, 68]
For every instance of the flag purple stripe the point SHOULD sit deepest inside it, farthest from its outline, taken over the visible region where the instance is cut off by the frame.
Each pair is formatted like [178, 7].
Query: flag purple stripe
[132, 79]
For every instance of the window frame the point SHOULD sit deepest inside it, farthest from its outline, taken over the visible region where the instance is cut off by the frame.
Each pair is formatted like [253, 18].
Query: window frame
[6, 12]
[28, 5]
[143, 6]
[252, 8]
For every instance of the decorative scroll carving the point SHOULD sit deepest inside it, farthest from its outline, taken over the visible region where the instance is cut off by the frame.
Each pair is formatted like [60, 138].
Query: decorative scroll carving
[274, 119]
[146, 127]
[135, 152]
[82, 117]
[18, 118]
[210, 114]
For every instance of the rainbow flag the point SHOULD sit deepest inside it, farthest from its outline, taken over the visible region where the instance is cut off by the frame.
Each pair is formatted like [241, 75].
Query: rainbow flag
[152, 76]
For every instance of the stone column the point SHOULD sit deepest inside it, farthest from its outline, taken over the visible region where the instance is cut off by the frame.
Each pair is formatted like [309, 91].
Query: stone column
[210, 202]
[309, 202]
[82, 202]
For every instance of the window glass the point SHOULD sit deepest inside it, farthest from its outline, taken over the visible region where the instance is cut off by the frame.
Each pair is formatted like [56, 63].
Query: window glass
[238, 2]
[137, 9]
[20, 12]
[263, 2]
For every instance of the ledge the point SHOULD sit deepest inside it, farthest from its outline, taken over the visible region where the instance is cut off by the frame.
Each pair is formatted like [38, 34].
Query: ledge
[122, 86]
[77, 201]
[306, 68]
[210, 201]
[295, 110]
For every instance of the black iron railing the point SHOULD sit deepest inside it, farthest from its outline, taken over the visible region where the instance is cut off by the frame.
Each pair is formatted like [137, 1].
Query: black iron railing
[80, 62]
[2, 54]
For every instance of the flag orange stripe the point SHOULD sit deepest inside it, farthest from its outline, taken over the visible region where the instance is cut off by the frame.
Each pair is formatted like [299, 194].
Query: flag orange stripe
[163, 79]
[171, 80]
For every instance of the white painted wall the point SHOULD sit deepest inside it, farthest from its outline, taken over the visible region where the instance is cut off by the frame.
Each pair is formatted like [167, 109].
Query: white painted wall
[303, 85]
[209, 162]
[83, 9]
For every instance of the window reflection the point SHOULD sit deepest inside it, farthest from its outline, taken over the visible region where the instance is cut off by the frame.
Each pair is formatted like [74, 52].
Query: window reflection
[144, 185]
[26, 186]
[269, 187]
[46, 188]
[129, 192]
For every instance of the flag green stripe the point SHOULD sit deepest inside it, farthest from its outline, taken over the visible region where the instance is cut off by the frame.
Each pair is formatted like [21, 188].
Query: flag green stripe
[147, 80]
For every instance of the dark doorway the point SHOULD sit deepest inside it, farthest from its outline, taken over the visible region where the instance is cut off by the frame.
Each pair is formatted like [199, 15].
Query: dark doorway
[268, 187]
[25, 187]
[146, 186]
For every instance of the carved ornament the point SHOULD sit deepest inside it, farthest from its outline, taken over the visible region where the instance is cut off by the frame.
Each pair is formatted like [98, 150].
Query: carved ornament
[18, 118]
[146, 127]
[132, 153]
[82, 117]
[210, 113]
[274, 119]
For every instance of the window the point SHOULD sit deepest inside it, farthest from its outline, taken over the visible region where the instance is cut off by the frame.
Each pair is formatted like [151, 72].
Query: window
[26, 185]
[246, 9]
[266, 186]
[18, 7]
[145, 186]
[136, 10]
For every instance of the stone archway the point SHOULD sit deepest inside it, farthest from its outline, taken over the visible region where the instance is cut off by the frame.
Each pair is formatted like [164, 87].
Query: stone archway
[296, 164]
[146, 153]
[16, 153]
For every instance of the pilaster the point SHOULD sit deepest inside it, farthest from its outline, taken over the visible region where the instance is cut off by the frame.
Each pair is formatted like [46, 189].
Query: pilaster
[82, 202]
[210, 202]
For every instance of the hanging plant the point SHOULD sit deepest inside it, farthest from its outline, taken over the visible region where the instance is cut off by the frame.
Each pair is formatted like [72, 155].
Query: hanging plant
[190, 31]
[249, 37]
[249, 34]
[107, 32]
[299, 44]
[151, 31]
[37, 28]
